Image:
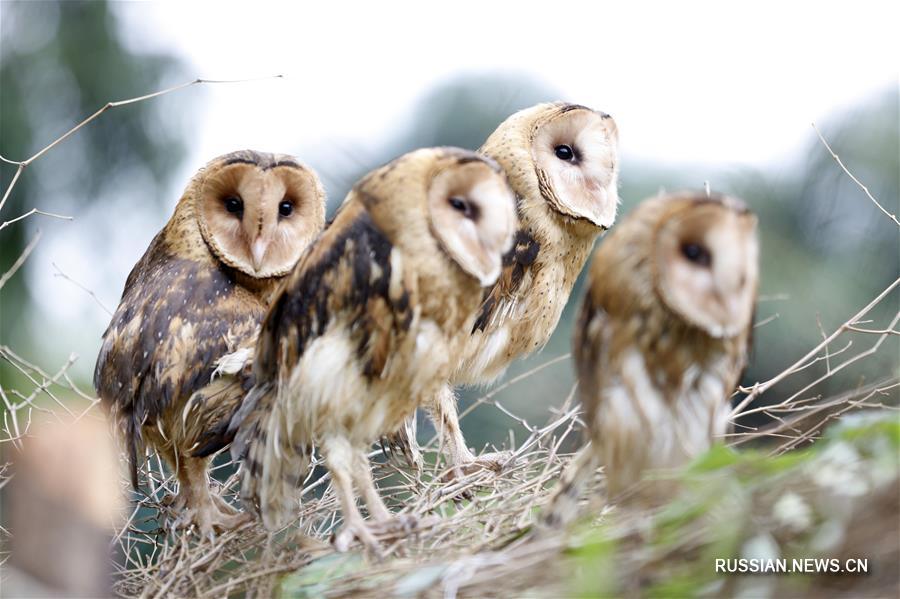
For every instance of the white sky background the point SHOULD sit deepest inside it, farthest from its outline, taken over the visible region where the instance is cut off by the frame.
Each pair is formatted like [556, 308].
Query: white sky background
[717, 84]
[720, 82]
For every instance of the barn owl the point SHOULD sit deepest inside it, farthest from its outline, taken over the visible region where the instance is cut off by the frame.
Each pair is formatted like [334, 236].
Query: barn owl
[662, 337]
[561, 161]
[366, 325]
[199, 291]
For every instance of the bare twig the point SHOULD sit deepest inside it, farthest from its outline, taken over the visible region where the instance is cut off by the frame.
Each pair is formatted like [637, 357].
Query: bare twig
[60, 273]
[865, 189]
[760, 388]
[21, 259]
[24, 163]
[31, 212]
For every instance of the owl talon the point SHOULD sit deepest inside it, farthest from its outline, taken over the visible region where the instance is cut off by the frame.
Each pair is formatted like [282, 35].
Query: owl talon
[209, 519]
[395, 525]
[373, 534]
[225, 507]
[495, 462]
[173, 502]
[360, 531]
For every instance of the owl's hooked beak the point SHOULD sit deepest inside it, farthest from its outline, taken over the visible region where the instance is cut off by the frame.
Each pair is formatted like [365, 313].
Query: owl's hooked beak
[258, 252]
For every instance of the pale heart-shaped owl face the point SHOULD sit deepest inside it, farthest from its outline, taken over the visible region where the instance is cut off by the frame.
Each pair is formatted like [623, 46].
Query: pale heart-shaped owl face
[575, 152]
[473, 217]
[706, 265]
[258, 212]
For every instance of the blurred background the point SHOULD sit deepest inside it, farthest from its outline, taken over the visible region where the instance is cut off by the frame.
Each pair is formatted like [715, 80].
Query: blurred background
[719, 94]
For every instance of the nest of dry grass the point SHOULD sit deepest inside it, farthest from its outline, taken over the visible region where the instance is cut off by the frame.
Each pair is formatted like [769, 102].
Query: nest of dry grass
[478, 537]
[454, 520]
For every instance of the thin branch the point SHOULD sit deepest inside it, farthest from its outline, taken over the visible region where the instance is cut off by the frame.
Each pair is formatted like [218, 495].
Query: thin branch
[11, 183]
[837, 159]
[35, 211]
[864, 354]
[21, 259]
[766, 321]
[60, 273]
[24, 163]
[872, 332]
[760, 388]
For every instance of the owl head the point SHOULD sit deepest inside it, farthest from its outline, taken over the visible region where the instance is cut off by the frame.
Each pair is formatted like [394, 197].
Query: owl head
[457, 197]
[704, 261]
[258, 211]
[562, 156]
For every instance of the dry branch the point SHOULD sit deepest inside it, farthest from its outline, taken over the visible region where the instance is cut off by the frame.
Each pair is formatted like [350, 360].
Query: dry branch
[865, 189]
[24, 163]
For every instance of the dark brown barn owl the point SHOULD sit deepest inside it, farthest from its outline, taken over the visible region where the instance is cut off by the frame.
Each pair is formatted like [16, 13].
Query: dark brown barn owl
[662, 338]
[367, 324]
[200, 291]
[562, 163]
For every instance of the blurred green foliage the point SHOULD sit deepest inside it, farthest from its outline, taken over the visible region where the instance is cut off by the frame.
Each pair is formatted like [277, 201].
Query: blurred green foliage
[60, 62]
[831, 501]
[823, 502]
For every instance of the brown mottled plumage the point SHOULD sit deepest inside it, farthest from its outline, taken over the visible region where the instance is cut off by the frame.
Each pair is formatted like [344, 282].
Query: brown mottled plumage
[662, 337]
[367, 324]
[201, 290]
[561, 161]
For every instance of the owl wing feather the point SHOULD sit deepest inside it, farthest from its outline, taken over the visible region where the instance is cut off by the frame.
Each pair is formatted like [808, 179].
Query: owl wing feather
[348, 278]
[516, 262]
[218, 402]
[175, 319]
[496, 307]
[590, 340]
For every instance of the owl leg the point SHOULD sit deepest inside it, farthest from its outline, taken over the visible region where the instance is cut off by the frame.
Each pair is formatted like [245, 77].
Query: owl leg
[201, 507]
[563, 506]
[362, 476]
[384, 523]
[173, 501]
[442, 409]
[340, 457]
[443, 412]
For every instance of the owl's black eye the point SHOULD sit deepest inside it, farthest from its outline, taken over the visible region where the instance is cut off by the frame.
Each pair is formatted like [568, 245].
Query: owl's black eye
[285, 208]
[234, 205]
[461, 205]
[697, 254]
[564, 152]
